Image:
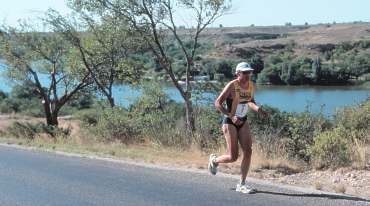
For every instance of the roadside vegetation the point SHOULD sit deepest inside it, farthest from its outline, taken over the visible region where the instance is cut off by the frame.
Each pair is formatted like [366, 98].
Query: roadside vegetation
[304, 139]
[83, 56]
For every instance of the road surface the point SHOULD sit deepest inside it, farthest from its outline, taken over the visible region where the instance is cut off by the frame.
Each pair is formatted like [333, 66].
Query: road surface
[33, 178]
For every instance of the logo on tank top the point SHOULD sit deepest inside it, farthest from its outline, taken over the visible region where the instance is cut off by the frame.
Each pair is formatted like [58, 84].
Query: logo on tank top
[245, 95]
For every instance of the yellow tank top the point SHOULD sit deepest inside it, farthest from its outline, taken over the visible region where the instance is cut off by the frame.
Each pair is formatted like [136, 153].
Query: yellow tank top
[241, 98]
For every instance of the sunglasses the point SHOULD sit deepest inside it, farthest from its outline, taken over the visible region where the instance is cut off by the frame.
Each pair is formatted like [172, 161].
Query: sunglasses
[246, 72]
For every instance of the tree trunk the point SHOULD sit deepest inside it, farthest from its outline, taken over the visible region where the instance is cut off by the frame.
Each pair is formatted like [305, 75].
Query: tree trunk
[54, 119]
[111, 101]
[51, 118]
[189, 115]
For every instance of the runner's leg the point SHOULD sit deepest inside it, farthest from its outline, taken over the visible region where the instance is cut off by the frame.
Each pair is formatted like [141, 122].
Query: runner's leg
[245, 140]
[231, 138]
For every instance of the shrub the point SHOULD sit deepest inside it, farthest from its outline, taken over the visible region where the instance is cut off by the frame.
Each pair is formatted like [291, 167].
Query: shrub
[21, 130]
[302, 129]
[116, 124]
[356, 119]
[331, 148]
[3, 95]
[292, 132]
[8, 106]
[89, 117]
[29, 130]
[208, 127]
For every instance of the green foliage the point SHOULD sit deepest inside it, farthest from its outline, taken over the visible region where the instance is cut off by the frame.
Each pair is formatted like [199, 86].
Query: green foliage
[225, 68]
[88, 117]
[343, 62]
[294, 132]
[208, 127]
[3, 95]
[331, 148]
[116, 124]
[334, 147]
[32, 56]
[271, 74]
[152, 116]
[316, 70]
[277, 121]
[19, 130]
[22, 99]
[257, 63]
[30, 131]
[355, 119]
[8, 106]
[270, 132]
[160, 118]
[302, 129]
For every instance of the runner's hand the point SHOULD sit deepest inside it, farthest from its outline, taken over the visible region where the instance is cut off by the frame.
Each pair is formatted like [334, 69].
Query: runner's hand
[262, 112]
[236, 120]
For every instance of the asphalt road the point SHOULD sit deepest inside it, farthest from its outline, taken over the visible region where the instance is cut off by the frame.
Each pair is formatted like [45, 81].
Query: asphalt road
[40, 178]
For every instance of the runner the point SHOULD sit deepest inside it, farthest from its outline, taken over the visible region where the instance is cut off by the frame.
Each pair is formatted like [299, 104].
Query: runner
[239, 96]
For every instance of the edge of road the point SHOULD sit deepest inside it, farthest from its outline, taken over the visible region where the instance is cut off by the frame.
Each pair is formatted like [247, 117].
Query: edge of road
[309, 191]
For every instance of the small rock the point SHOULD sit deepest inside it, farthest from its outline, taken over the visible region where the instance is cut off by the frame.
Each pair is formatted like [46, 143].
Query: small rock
[336, 180]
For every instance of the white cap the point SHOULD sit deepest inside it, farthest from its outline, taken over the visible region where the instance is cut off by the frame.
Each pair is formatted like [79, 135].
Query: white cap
[243, 66]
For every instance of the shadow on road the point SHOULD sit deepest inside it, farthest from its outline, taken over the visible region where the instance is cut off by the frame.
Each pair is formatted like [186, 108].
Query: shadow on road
[329, 196]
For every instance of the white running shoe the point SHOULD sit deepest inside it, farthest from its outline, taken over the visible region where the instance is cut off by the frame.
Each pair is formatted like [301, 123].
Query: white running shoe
[245, 189]
[212, 165]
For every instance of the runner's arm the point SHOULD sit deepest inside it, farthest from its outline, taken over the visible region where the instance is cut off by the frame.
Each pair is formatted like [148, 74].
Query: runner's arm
[221, 99]
[252, 104]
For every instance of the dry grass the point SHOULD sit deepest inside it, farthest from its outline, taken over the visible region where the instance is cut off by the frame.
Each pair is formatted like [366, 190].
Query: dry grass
[319, 34]
[283, 166]
[339, 188]
[360, 155]
[7, 119]
[318, 185]
[191, 157]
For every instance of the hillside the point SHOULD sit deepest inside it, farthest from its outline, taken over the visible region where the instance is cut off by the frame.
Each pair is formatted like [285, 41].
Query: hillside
[323, 54]
[310, 38]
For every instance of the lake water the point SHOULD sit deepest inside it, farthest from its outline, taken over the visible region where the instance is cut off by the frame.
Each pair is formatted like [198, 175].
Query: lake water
[286, 98]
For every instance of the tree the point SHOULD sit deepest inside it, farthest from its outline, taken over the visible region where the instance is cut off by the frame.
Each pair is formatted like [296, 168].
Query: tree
[154, 22]
[285, 75]
[316, 70]
[30, 54]
[257, 63]
[103, 47]
[224, 67]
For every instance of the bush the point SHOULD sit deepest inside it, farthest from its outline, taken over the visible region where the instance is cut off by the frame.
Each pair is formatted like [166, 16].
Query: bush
[161, 120]
[25, 100]
[208, 127]
[30, 131]
[302, 129]
[116, 124]
[331, 148]
[3, 95]
[20, 130]
[89, 117]
[8, 106]
[293, 132]
[163, 129]
[356, 119]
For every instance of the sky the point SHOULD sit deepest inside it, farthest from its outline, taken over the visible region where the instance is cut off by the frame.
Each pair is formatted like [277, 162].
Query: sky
[243, 12]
